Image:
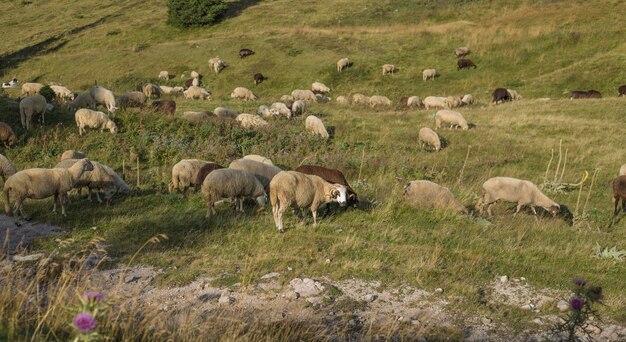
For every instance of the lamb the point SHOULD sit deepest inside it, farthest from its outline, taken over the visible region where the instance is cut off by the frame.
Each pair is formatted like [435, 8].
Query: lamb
[151, 91]
[171, 90]
[30, 88]
[71, 154]
[249, 121]
[217, 64]
[265, 111]
[429, 137]
[360, 99]
[42, 183]
[243, 93]
[7, 135]
[299, 190]
[621, 91]
[222, 112]
[429, 195]
[500, 95]
[465, 63]
[514, 95]
[132, 99]
[343, 100]
[185, 174]
[414, 101]
[30, 106]
[282, 109]
[343, 64]
[98, 178]
[319, 88]
[62, 93]
[378, 100]
[331, 176]
[262, 171]
[167, 107]
[298, 107]
[467, 99]
[429, 74]
[164, 75]
[304, 95]
[7, 168]
[622, 170]
[203, 172]
[435, 102]
[196, 117]
[231, 183]
[97, 120]
[245, 53]
[258, 78]
[83, 100]
[453, 102]
[195, 92]
[258, 158]
[515, 190]
[389, 69]
[461, 52]
[449, 117]
[619, 192]
[315, 125]
[104, 97]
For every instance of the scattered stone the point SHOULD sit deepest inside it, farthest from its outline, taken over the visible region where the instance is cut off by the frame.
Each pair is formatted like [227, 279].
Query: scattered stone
[32, 257]
[562, 306]
[289, 269]
[131, 279]
[593, 329]
[522, 279]
[486, 320]
[226, 298]
[529, 306]
[208, 297]
[165, 308]
[307, 287]
[339, 230]
[400, 318]
[271, 275]
[292, 295]
[439, 290]
[370, 297]
[328, 261]
[315, 300]
[538, 321]
[504, 279]
[415, 322]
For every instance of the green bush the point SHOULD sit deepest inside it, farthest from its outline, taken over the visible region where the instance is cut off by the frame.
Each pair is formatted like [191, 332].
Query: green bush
[48, 93]
[193, 13]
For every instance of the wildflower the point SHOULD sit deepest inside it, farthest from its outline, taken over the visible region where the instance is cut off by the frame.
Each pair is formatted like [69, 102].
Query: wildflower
[576, 303]
[93, 296]
[580, 282]
[84, 322]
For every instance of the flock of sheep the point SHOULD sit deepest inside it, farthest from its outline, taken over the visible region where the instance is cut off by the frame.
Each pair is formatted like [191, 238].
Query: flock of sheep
[255, 177]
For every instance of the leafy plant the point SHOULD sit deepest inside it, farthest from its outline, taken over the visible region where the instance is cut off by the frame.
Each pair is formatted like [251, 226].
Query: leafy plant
[609, 253]
[194, 13]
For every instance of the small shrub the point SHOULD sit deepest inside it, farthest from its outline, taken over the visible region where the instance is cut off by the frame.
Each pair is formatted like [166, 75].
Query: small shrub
[194, 13]
[48, 93]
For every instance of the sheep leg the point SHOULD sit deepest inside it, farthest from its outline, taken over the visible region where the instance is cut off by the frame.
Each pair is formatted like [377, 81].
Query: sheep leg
[489, 208]
[532, 207]
[56, 200]
[623, 205]
[314, 213]
[240, 201]
[519, 206]
[280, 210]
[616, 205]
[210, 210]
[97, 195]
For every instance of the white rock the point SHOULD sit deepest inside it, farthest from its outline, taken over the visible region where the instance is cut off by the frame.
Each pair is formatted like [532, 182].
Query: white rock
[504, 279]
[538, 321]
[439, 290]
[593, 329]
[31, 257]
[562, 305]
[315, 300]
[226, 299]
[485, 320]
[271, 275]
[370, 297]
[307, 287]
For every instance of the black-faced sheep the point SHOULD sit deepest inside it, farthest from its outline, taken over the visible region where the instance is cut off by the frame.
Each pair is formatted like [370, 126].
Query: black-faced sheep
[465, 63]
[231, 183]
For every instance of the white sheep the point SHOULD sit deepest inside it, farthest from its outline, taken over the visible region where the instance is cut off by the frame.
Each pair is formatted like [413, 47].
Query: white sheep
[450, 118]
[435, 102]
[265, 112]
[429, 74]
[101, 177]
[360, 99]
[184, 175]
[461, 51]
[171, 90]
[151, 90]
[243, 93]
[196, 117]
[71, 154]
[282, 109]
[468, 99]
[62, 93]
[320, 88]
[222, 112]
[30, 88]
[622, 170]
[104, 97]
[42, 183]
[514, 95]
[299, 190]
[287, 99]
[97, 120]
[264, 172]
[522, 192]
[249, 121]
[304, 95]
[429, 195]
[378, 100]
[343, 100]
[83, 100]
[343, 63]
[259, 158]
[7, 168]
[195, 92]
[217, 64]
[414, 101]
[389, 69]
[32, 105]
[315, 125]
[453, 102]
[298, 107]
[164, 75]
[429, 137]
[195, 74]
[231, 183]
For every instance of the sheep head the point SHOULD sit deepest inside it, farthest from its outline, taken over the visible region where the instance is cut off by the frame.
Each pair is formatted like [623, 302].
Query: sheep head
[338, 193]
[111, 126]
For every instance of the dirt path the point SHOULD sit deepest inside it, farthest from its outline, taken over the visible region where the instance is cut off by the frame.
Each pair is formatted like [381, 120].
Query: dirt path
[20, 236]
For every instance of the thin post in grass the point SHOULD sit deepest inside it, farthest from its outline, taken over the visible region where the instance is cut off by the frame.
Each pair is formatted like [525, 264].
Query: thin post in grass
[564, 164]
[361, 167]
[558, 164]
[580, 191]
[458, 181]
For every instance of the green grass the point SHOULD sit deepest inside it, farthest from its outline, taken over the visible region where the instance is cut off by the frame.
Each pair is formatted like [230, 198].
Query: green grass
[540, 49]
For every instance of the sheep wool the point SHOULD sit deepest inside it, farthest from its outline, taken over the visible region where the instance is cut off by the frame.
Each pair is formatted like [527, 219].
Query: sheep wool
[315, 125]
[429, 137]
[32, 105]
[231, 183]
[93, 119]
[450, 118]
[426, 194]
[7, 168]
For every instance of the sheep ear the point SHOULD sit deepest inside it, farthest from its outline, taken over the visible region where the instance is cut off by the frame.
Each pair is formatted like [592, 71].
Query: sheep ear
[334, 193]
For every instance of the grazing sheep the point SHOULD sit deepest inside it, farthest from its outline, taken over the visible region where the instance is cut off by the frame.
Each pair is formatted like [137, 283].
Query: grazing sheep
[195, 74]
[287, 99]
[343, 100]
[515, 190]
[164, 75]
[30, 106]
[450, 118]
[42, 183]
[315, 125]
[164, 106]
[389, 69]
[171, 90]
[514, 95]
[83, 100]
[619, 192]
[281, 108]
[195, 92]
[468, 99]
[264, 172]
[429, 195]
[319, 88]
[461, 52]
[231, 183]
[245, 53]
[30, 88]
[331, 176]
[93, 119]
[71, 154]
[243, 93]
[98, 178]
[259, 158]
[621, 91]
[589, 94]
[414, 101]
[429, 137]
[464, 63]
[203, 172]
[453, 102]
[298, 107]
[217, 64]
[360, 99]
[343, 64]
[7, 135]
[304, 95]
[265, 112]
[132, 99]
[185, 174]
[429, 74]
[378, 100]
[104, 97]
[62, 94]
[151, 91]
[7, 168]
[222, 112]
[189, 82]
[258, 78]
[299, 190]
[404, 101]
[622, 170]
[435, 102]
[500, 95]
[249, 121]
[321, 98]
[196, 117]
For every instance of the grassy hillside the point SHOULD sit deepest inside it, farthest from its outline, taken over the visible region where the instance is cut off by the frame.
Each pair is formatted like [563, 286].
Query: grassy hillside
[542, 49]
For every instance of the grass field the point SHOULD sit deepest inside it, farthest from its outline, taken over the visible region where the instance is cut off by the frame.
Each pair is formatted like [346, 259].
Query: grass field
[541, 49]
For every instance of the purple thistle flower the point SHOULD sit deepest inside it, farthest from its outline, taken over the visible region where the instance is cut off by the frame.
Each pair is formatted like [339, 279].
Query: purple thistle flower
[580, 282]
[84, 322]
[576, 303]
[93, 296]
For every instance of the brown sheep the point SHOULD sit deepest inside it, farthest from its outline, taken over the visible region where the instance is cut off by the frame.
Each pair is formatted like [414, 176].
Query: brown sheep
[619, 192]
[621, 90]
[332, 176]
[465, 63]
[245, 53]
[203, 172]
[589, 94]
[7, 135]
[500, 95]
[258, 78]
[164, 106]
